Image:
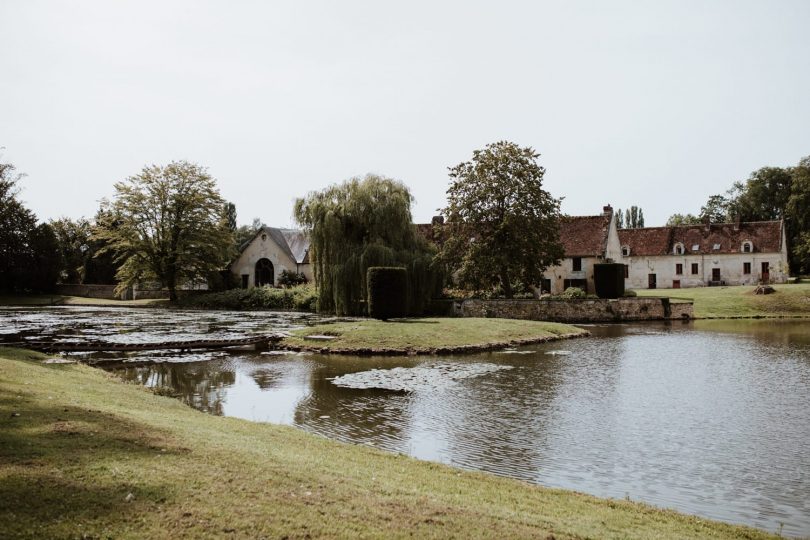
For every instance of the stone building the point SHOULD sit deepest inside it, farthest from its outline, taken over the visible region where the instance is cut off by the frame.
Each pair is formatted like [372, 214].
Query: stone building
[271, 251]
[586, 240]
[702, 255]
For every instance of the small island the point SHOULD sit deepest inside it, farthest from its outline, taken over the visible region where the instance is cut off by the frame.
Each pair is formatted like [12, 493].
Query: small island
[424, 336]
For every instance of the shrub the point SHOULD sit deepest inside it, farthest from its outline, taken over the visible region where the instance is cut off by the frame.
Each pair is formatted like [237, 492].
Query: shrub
[387, 292]
[289, 279]
[630, 293]
[301, 298]
[573, 292]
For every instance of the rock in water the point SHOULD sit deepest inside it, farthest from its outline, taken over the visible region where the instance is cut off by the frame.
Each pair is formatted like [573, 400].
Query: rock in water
[432, 376]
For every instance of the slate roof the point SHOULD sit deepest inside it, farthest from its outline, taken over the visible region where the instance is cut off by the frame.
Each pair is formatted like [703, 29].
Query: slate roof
[585, 236]
[293, 242]
[765, 236]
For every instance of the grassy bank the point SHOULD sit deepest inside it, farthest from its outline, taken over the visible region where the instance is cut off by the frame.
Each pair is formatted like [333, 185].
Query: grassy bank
[403, 336]
[84, 455]
[720, 302]
[62, 300]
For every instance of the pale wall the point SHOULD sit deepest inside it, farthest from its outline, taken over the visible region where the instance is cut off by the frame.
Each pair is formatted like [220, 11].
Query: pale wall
[565, 270]
[266, 249]
[730, 265]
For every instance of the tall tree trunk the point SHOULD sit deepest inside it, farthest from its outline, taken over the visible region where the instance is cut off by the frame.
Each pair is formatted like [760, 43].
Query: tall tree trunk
[505, 283]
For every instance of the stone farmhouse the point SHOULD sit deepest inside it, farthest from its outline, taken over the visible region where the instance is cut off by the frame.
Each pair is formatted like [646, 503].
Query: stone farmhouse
[654, 257]
[703, 255]
[271, 251]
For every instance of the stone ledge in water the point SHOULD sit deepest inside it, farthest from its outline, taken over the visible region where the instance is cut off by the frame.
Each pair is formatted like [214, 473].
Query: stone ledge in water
[426, 377]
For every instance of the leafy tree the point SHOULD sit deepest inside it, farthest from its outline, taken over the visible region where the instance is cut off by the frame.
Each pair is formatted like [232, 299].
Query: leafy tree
[716, 210]
[45, 259]
[797, 213]
[633, 218]
[244, 233]
[29, 255]
[166, 224]
[763, 197]
[360, 223]
[73, 237]
[503, 226]
[682, 219]
[229, 210]
[16, 224]
[619, 219]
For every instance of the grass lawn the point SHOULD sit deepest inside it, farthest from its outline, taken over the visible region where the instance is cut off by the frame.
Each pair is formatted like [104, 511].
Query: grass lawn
[787, 301]
[84, 455]
[61, 300]
[428, 335]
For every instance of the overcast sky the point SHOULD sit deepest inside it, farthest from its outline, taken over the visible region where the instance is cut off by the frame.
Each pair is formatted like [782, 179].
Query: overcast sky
[657, 104]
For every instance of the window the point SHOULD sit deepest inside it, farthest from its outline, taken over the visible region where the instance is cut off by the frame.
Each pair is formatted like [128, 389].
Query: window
[747, 247]
[695, 247]
[746, 268]
[626, 271]
[577, 264]
[679, 269]
[694, 268]
[625, 251]
[716, 247]
[678, 250]
[245, 278]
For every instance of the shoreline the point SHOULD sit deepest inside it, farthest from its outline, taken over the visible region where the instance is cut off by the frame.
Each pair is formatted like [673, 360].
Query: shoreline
[119, 460]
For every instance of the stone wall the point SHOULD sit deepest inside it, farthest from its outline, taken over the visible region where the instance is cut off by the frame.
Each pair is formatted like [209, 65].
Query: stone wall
[106, 292]
[588, 310]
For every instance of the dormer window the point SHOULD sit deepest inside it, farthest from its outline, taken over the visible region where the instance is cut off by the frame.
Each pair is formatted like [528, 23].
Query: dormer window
[678, 249]
[625, 251]
[747, 247]
[696, 247]
[716, 247]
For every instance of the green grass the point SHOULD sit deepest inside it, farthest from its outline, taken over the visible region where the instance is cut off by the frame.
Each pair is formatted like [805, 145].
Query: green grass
[427, 335]
[720, 302]
[84, 441]
[61, 300]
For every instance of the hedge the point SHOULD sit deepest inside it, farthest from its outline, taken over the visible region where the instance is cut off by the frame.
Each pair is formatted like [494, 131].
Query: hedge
[387, 292]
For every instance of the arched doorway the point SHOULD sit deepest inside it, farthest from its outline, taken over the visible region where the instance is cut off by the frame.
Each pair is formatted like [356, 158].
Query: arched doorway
[264, 273]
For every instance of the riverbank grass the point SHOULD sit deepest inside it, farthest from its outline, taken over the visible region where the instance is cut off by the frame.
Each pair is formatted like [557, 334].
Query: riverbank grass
[732, 302]
[84, 455]
[62, 300]
[428, 335]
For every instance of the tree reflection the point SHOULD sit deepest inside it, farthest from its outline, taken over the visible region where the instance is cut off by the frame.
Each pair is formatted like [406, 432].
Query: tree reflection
[202, 385]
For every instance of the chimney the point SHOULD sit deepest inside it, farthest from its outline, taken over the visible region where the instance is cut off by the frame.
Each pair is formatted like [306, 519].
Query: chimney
[707, 224]
[437, 220]
[737, 223]
[607, 210]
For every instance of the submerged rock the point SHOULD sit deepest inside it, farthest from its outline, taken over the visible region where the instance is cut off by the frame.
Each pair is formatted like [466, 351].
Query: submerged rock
[425, 377]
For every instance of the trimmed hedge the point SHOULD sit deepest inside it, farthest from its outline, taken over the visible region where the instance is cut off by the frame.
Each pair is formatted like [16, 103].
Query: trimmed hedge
[387, 292]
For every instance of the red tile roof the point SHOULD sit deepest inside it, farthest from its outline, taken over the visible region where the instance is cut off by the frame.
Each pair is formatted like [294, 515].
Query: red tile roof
[585, 236]
[765, 237]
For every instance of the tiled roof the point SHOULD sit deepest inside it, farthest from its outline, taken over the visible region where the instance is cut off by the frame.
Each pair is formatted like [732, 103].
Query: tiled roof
[581, 236]
[293, 242]
[585, 236]
[765, 237]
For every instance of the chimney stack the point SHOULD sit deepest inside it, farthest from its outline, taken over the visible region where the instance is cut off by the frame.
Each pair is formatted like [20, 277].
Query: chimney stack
[607, 210]
[437, 220]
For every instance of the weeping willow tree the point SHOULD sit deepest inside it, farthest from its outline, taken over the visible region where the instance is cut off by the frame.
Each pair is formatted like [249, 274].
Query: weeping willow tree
[360, 223]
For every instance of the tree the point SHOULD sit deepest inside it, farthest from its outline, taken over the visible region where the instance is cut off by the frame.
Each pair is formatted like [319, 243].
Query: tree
[16, 224]
[166, 224]
[682, 219]
[229, 210]
[763, 197]
[716, 210]
[633, 218]
[29, 254]
[73, 238]
[361, 223]
[797, 213]
[243, 233]
[619, 219]
[503, 226]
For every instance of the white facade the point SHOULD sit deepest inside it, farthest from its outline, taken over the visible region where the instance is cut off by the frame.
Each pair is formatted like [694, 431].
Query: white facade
[727, 255]
[269, 245]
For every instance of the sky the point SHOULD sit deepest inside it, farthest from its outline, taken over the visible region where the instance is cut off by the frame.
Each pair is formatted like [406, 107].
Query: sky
[655, 104]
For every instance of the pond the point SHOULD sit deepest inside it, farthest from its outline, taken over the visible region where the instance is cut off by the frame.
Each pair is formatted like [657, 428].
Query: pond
[710, 418]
